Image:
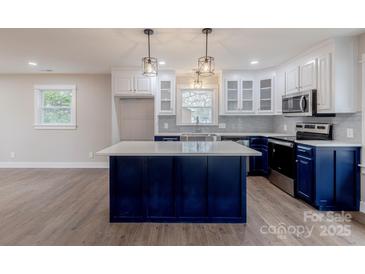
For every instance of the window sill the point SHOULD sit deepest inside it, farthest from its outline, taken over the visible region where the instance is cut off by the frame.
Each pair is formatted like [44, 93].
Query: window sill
[59, 127]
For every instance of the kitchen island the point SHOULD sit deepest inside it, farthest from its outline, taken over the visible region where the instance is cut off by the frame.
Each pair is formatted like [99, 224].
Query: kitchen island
[178, 181]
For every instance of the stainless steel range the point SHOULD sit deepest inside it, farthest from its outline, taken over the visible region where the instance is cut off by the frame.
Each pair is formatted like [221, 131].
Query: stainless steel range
[282, 153]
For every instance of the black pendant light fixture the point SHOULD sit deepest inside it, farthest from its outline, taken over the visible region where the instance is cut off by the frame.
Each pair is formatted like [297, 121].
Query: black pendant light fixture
[150, 64]
[206, 63]
[197, 82]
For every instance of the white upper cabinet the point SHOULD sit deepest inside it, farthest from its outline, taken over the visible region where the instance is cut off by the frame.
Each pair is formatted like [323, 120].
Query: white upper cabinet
[308, 75]
[324, 83]
[142, 84]
[292, 80]
[166, 93]
[247, 95]
[279, 91]
[238, 94]
[331, 69]
[265, 95]
[232, 90]
[301, 77]
[131, 83]
[123, 84]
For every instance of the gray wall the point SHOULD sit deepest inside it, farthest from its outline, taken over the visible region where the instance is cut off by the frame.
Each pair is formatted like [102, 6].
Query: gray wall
[272, 124]
[340, 124]
[18, 135]
[233, 124]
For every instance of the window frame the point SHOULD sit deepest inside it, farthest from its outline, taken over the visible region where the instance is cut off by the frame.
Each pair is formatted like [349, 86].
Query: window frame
[38, 105]
[212, 88]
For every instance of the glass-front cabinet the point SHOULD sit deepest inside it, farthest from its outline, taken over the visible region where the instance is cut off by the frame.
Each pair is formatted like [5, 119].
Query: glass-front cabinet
[232, 94]
[265, 95]
[166, 93]
[239, 96]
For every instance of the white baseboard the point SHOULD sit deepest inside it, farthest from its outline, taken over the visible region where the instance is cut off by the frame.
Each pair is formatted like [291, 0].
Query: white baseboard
[53, 164]
[362, 206]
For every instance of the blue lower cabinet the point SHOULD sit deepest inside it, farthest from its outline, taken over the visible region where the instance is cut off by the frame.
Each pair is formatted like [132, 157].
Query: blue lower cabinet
[160, 187]
[225, 200]
[159, 138]
[329, 177]
[305, 183]
[178, 189]
[127, 188]
[192, 183]
[259, 165]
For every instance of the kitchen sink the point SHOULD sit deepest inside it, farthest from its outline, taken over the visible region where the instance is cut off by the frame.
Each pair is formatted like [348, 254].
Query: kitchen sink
[209, 137]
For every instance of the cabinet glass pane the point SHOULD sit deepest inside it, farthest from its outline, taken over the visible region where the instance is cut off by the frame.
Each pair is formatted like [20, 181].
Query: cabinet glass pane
[265, 94]
[266, 83]
[265, 105]
[247, 94]
[232, 84]
[165, 95]
[247, 105]
[247, 84]
[232, 95]
[232, 106]
[166, 105]
[165, 84]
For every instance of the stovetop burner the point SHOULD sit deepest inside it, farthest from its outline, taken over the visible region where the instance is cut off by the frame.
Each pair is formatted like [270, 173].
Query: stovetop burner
[309, 131]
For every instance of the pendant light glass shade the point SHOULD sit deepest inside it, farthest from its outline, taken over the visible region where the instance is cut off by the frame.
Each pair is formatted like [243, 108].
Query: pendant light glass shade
[197, 82]
[150, 64]
[206, 64]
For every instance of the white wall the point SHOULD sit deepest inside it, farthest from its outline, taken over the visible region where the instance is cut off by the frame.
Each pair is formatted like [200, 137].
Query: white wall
[31, 145]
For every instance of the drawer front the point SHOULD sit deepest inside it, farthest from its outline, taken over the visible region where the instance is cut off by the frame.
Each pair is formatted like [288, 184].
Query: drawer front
[304, 151]
[258, 141]
[167, 138]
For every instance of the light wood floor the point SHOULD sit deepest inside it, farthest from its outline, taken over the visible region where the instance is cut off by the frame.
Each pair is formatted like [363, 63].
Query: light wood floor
[70, 207]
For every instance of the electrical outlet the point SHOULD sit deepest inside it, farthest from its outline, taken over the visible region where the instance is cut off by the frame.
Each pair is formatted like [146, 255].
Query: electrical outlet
[91, 155]
[350, 133]
[12, 155]
[165, 125]
[222, 125]
[285, 127]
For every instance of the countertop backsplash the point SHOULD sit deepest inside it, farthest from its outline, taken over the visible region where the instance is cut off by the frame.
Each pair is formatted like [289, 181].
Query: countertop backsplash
[232, 124]
[340, 125]
[271, 124]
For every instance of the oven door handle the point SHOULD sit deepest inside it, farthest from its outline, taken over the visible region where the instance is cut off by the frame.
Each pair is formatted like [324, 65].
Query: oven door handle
[287, 144]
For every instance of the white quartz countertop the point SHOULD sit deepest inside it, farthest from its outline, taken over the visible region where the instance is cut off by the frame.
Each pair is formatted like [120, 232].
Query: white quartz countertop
[326, 143]
[150, 148]
[263, 134]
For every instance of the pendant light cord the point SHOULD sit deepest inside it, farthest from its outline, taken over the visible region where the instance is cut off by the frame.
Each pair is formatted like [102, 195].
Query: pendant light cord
[206, 45]
[149, 51]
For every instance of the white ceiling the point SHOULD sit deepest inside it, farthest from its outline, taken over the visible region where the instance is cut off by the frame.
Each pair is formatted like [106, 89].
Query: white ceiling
[98, 50]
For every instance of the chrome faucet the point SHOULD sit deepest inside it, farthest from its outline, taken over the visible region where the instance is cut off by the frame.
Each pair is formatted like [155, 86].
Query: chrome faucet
[196, 129]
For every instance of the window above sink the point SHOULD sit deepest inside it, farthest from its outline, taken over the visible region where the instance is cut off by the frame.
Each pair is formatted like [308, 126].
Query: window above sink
[197, 106]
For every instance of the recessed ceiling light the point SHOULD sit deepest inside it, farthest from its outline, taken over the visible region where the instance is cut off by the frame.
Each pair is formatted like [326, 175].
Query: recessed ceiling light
[254, 62]
[162, 63]
[32, 64]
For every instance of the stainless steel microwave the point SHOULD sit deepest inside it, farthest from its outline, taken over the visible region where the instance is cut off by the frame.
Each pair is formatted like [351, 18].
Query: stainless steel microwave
[300, 104]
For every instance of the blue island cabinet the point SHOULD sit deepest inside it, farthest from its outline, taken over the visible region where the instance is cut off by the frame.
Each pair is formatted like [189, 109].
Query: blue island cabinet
[328, 177]
[259, 165]
[178, 189]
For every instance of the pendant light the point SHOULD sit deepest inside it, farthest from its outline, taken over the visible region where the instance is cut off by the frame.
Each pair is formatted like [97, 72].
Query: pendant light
[150, 64]
[198, 84]
[206, 63]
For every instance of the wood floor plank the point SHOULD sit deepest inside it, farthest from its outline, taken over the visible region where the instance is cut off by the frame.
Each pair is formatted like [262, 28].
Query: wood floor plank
[70, 207]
